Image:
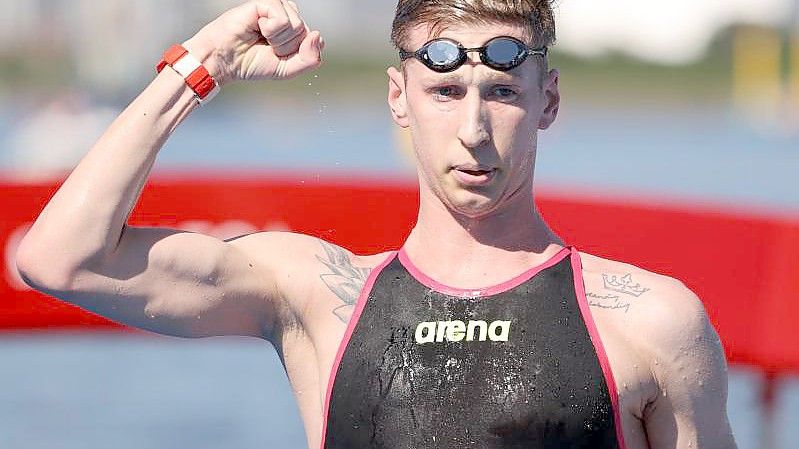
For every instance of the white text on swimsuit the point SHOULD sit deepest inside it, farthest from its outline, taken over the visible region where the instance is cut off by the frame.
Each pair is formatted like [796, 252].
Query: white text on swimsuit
[439, 331]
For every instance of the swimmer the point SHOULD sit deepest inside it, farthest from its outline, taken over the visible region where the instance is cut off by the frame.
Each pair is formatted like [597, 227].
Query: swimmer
[485, 329]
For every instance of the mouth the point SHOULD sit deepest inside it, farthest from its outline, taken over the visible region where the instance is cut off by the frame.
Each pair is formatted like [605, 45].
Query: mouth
[476, 172]
[473, 175]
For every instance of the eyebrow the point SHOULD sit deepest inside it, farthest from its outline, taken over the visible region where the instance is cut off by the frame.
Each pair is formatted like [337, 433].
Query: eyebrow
[453, 78]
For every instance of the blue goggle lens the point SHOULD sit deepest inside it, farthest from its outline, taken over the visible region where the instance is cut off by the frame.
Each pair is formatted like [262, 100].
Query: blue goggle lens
[503, 51]
[443, 53]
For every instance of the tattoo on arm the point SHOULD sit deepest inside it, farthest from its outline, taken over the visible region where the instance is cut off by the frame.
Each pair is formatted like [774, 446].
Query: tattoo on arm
[344, 280]
[608, 301]
[618, 284]
[623, 284]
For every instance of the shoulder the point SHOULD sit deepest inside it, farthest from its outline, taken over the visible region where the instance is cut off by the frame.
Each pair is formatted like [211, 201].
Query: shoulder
[282, 255]
[290, 248]
[660, 315]
[292, 252]
[305, 267]
[668, 325]
[662, 306]
[639, 293]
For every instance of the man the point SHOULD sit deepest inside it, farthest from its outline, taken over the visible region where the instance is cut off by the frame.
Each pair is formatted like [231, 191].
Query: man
[484, 330]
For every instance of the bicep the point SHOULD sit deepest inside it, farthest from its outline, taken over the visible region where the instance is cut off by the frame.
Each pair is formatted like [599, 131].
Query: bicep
[690, 410]
[178, 283]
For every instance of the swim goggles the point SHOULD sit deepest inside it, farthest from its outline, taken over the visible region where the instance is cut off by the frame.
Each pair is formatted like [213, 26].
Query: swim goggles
[501, 53]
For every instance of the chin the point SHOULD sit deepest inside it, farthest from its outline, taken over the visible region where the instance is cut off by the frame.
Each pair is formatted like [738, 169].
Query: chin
[472, 205]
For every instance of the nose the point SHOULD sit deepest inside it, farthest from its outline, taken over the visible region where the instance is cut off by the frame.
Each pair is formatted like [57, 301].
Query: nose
[473, 129]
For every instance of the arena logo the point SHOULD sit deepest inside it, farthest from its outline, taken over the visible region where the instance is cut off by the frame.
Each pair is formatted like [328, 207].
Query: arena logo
[440, 331]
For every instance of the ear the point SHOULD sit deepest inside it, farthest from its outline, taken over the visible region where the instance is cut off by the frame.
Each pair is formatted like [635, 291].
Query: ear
[397, 100]
[552, 100]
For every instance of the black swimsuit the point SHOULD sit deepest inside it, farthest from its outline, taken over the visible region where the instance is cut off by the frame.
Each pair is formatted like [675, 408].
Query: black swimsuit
[518, 365]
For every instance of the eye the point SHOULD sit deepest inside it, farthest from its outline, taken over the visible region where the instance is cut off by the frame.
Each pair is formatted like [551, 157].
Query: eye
[445, 93]
[504, 92]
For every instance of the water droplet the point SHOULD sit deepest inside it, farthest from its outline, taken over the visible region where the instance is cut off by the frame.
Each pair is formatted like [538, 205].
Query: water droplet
[316, 76]
[664, 393]
[656, 362]
[625, 385]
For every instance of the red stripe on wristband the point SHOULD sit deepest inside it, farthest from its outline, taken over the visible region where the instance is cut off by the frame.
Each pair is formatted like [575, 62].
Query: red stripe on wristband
[200, 81]
[171, 56]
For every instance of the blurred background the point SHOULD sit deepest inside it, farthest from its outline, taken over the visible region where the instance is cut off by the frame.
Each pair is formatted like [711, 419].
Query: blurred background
[685, 112]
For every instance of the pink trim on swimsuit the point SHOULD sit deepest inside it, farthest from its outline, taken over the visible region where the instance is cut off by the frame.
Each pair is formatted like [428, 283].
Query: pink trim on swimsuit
[356, 315]
[475, 292]
[579, 290]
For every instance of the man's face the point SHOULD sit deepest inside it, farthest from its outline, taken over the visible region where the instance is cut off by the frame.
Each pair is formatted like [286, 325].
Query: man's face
[474, 129]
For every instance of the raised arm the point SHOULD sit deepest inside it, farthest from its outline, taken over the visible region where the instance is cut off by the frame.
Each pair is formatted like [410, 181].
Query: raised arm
[80, 248]
[690, 412]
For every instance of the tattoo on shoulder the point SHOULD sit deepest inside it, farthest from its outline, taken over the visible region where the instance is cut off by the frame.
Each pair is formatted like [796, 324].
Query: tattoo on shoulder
[344, 280]
[607, 301]
[623, 284]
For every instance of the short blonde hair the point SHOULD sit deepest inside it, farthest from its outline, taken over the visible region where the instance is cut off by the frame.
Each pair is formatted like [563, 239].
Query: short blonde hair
[535, 16]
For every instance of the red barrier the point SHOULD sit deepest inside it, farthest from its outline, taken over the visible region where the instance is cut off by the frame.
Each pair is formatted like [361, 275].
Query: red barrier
[744, 267]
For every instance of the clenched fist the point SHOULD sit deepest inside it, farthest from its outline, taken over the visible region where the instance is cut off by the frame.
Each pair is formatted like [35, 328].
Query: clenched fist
[258, 40]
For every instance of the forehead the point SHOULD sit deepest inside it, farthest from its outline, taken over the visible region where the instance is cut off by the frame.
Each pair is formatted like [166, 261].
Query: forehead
[468, 35]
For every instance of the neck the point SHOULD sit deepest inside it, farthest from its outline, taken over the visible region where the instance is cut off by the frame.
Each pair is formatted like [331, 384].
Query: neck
[454, 246]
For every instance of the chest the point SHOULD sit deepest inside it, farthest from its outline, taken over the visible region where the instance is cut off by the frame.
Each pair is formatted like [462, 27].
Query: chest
[513, 364]
[517, 368]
